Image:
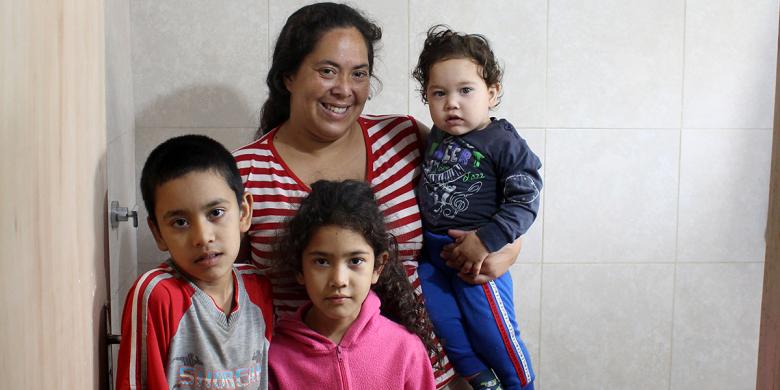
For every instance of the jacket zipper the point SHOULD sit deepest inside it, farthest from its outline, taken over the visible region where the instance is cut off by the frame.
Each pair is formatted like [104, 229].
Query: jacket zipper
[342, 369]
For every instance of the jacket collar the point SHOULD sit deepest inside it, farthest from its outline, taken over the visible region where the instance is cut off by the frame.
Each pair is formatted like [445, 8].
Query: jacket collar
[293, 326]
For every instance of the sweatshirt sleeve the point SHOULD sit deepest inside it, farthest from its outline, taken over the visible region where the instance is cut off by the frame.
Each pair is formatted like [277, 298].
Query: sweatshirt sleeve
[517, 168]
[268, 308]
[258, 288]
[419, 373]
[143, 349]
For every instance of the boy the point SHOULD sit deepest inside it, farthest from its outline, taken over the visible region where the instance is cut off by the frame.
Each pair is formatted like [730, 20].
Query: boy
[197, 321]
[478, 175]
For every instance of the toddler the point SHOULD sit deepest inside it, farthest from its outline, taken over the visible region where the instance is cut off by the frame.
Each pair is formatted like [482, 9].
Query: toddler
[479, 175]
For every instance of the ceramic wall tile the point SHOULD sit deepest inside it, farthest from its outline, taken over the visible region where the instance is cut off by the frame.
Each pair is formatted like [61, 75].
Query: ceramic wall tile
[724, 194]
[606, 326]
[199, 63]
[615, 64]
[716, 323]
[730, 57]
[610, 195]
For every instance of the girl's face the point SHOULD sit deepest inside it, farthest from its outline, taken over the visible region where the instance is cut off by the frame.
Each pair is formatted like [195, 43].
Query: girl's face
[338, 271]
[330, 88]
[458, 97]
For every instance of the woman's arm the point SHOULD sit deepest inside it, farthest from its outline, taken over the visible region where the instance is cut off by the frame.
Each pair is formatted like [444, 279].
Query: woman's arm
[423, 130]
[496, 263]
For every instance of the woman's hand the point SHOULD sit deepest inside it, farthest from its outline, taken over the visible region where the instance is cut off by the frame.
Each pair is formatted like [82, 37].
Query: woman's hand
[496, 263]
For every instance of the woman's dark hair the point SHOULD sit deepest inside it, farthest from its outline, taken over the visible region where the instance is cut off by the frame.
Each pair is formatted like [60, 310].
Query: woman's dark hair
[442, 44]
[351, 204]
[298, 37]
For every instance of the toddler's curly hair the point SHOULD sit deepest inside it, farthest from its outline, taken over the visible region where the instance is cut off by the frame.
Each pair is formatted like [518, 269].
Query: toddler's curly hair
[442, 43]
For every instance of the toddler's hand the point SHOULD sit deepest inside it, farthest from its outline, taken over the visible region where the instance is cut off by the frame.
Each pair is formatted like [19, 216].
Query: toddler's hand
[468, 254]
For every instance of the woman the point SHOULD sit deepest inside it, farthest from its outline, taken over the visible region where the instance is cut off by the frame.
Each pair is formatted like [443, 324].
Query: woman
[311, 128]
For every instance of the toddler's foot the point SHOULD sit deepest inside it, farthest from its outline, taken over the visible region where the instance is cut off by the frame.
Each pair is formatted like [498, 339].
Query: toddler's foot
[485, 380]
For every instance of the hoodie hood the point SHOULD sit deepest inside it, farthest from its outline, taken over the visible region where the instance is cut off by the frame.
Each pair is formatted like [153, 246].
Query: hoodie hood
[294, 327]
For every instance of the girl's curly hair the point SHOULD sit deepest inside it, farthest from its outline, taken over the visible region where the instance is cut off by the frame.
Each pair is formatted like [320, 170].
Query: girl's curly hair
[442, 43]
[351, 204]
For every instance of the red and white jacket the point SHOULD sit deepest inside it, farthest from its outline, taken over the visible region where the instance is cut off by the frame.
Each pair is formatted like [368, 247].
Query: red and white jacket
[175, 336]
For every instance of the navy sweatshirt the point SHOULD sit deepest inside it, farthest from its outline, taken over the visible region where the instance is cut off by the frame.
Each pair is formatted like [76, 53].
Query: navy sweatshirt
[486, 180]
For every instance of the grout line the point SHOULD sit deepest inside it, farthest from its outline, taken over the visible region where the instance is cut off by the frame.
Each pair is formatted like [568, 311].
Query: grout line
[546, 67]
[671, 332]
[194, 127]
[757, 129]
[408, 57]
[546, 177]
[542, 263]
[651, 262]
[268, 33]
[677, 212]
[640, 128]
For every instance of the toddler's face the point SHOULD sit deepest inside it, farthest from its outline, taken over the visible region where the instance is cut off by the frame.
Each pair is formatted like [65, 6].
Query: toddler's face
[458, 97]
[338, 271]
[200, 224]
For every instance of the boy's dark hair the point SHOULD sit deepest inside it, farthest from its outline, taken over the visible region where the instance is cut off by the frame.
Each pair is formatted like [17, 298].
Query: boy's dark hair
[442, 44]
[351, 204]
[298, 37]
[179, 156]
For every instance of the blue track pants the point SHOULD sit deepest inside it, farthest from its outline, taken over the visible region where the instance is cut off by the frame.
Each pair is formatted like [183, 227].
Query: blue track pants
[475, 323]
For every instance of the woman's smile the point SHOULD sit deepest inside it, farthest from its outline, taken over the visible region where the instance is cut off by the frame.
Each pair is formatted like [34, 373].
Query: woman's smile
[330, 88]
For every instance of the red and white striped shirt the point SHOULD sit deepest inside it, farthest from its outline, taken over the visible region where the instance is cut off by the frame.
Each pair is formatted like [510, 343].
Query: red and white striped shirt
[393, 158]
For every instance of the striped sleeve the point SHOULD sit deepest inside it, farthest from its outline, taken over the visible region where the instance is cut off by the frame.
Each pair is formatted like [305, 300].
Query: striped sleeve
[395, 162]
[149, 320]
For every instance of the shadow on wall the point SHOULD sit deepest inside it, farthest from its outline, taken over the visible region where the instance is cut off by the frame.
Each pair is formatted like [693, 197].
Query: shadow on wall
[199, 106]
[102, 296]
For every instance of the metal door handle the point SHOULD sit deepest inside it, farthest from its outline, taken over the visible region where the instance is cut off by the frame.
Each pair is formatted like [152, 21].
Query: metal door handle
[119, 214]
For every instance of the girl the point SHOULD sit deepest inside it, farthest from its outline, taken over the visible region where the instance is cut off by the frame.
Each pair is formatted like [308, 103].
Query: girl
[338, 249]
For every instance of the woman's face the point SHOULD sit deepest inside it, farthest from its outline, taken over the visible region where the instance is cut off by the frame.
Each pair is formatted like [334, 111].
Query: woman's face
[330, 88]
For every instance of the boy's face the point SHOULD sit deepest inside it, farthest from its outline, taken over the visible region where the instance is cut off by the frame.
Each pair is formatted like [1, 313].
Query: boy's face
[200, 224]
[458, 98]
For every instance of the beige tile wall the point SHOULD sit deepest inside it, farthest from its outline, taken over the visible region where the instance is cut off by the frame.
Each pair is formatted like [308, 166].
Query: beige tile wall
[651, 118]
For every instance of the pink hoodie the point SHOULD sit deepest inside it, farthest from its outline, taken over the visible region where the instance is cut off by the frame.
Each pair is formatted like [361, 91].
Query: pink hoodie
[375, 353]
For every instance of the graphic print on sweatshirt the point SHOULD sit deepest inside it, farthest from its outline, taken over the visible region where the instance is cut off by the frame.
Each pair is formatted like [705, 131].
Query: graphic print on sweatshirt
[213, 351]
[192, 373]
[485, 180]
[452, 174]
